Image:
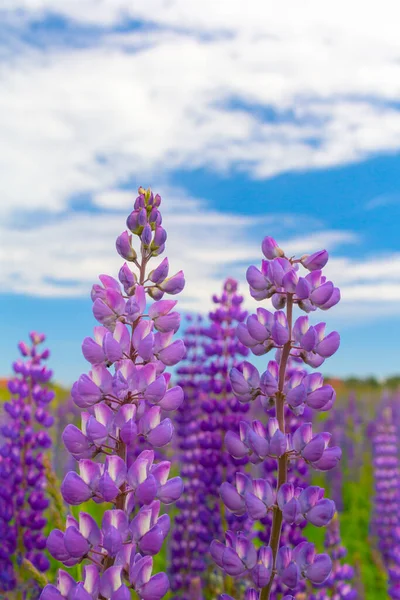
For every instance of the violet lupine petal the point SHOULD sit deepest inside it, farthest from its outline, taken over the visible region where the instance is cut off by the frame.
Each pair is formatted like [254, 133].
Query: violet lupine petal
[235, 446]
[172, 399]
[76, 442]
[232, 500]
[261, 573]
[256, 279]
[322, 513]
[315, 261]
[329, 459]
[171, 491]
[74, 490]
[155, 588]
[319, 571]
[270, 248]
[56, 546]
[328, 346]
[76, 545]
[50, 592]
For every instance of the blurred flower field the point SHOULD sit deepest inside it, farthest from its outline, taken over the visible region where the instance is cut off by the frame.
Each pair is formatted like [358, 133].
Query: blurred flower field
[175, 469]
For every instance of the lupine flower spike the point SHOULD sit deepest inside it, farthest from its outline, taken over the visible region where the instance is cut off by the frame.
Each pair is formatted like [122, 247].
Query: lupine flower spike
[281, 280]
[209, 410]
[386, 518]
[124, 399]
[23, 497]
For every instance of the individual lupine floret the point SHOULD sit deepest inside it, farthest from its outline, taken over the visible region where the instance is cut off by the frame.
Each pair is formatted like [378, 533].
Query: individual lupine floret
[255, 496]
[256, 441]
[149, 481]
[313, 345]
[314, 567]
[237, 557]
[315, 449]
[149, 529]
[283, 390]
[79, 538]
[303, 561]
[148, 587]
[23, 497]
[123, 397]
[308, 503]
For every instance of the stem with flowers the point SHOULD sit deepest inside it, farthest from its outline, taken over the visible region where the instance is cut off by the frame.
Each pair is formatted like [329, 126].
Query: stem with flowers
[281, 389]
[121, 408]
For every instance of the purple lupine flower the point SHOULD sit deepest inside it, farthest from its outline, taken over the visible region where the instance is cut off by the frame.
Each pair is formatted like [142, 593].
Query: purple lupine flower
[386, 519]
[281, 280]
[125, 400]
[209, 410]
[24, 440]
[189, 545]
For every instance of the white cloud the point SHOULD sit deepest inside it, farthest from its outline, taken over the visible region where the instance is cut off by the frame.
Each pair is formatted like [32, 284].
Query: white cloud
[382, 201]
[194, 90]
[76, 120]
[63, 257]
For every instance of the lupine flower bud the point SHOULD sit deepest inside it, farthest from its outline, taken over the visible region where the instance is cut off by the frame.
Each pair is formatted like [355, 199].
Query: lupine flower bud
[160, 273]
[271, 249]
[315, 261]
[124, 246]
[174, 284]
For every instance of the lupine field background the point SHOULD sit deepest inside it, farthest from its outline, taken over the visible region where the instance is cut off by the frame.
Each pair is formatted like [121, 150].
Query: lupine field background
[166, 375]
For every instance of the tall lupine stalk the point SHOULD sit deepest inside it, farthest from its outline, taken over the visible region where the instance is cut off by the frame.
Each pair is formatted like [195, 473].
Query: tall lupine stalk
[280, 280]
[210, 409]
[386, 519]
[23, 498]
[222, 411]
[338, 586]
[119, 408]
[189, 544]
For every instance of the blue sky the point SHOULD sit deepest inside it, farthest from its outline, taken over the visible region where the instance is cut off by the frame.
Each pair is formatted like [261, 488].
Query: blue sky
[248, 125]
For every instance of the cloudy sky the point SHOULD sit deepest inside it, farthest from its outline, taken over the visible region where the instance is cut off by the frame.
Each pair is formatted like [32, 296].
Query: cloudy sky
[249, 118]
